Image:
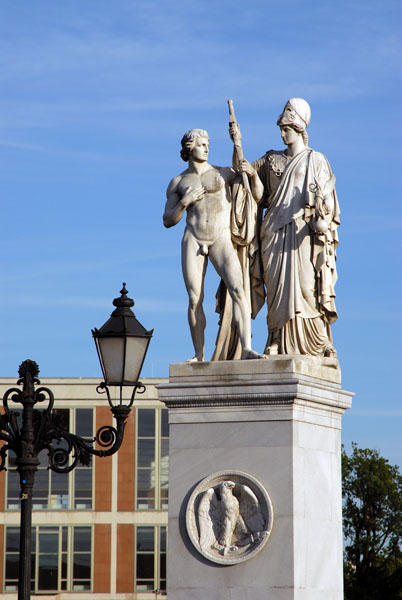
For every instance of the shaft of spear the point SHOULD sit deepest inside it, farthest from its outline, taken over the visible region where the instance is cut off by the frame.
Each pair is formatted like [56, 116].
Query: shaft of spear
[237, 143]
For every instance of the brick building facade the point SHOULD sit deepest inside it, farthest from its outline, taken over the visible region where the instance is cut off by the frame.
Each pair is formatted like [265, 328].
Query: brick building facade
[99, 532]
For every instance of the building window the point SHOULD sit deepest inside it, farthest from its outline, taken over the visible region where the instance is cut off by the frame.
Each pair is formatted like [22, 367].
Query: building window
[59, 491]
[81, 560]
[83, 475]
[152, 458]
[61, 559]
[150, 558]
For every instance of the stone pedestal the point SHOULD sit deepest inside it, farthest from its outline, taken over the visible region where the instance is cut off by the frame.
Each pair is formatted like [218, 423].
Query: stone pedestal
[280, 421]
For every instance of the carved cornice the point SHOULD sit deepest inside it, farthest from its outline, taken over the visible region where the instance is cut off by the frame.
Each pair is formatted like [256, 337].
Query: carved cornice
[256, 399]
[218, 400]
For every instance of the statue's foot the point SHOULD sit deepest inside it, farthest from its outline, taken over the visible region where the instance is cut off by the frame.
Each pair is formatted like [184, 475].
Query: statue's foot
[330, 352]
[194, 359]
[272, 349]
[258, 536]
[217, 546]
[250, 354]
[226, 549]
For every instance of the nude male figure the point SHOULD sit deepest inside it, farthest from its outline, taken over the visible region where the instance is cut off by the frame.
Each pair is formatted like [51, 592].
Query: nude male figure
[203, 190]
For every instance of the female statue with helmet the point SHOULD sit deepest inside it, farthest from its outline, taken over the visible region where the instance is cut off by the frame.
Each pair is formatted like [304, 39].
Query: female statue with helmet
[298, 239]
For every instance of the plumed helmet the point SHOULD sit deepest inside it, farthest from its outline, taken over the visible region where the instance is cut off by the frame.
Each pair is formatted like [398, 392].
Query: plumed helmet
[297, 114]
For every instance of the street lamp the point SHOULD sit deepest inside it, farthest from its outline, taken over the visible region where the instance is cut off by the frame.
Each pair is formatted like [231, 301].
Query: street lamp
[122, 344]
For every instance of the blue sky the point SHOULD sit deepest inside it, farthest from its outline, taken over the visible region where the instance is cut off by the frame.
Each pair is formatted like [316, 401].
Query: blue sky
[94, 98]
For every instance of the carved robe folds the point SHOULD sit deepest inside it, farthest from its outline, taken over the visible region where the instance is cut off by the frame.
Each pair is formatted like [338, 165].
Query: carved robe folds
[299, 264]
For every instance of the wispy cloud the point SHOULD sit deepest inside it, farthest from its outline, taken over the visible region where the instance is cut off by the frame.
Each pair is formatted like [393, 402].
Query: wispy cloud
[374, 223]
[16, 145]
[47, 269]
[152, 63]
[374, 316]
[64, 151]
[375, 413]
[142, 304]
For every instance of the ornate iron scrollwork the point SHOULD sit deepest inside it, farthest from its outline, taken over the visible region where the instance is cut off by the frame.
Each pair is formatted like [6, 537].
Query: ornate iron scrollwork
[46, 431]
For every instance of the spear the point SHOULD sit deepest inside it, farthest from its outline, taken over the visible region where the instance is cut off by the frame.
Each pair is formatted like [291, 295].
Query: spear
[237, 143]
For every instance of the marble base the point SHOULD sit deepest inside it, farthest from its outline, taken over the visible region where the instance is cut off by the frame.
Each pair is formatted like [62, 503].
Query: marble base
[280, 421]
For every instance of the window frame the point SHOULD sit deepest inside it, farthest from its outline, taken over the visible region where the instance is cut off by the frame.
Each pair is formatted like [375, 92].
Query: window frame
[70, 554]
[157, 530]
[71, 477]
[158, 500]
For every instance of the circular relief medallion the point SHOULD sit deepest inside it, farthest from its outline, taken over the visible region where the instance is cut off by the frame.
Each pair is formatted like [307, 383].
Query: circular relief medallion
[229, 517]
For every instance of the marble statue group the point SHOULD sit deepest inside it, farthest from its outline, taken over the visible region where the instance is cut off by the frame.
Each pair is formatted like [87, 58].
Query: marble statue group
[269, 228]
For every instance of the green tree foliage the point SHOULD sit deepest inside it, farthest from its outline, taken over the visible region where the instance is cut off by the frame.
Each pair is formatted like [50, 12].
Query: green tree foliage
[372, 524]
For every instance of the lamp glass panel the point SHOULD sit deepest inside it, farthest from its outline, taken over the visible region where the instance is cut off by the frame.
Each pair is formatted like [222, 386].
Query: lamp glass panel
[135, 352]
[112, 352]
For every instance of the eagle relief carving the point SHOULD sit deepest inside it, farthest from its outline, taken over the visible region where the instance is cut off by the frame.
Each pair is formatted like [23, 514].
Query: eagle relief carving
[229, 519]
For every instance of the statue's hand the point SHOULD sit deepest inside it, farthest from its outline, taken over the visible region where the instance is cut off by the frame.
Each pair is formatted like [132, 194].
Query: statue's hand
[324, 206]
[246, 167]
[319, 207]
[191, 196]
[234, 132]
[328, 204]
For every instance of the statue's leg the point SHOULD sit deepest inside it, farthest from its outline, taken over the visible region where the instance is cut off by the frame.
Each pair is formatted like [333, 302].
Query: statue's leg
[227, 265]
[273, 343]
[194, 266]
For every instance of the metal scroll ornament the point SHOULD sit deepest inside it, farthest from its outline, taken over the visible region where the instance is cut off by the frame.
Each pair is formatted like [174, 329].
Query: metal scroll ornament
[229, 517]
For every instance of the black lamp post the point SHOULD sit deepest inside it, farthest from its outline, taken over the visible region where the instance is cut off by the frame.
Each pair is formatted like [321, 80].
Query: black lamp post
[122, 344]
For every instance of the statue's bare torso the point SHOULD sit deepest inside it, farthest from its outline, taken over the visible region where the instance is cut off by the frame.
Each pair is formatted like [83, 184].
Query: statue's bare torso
[208, 218]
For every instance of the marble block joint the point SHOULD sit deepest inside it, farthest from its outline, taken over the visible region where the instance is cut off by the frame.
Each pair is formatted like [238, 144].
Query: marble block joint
[279, 422]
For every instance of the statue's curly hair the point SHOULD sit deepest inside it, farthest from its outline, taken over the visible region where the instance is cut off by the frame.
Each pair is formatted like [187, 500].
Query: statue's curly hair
[187, 142]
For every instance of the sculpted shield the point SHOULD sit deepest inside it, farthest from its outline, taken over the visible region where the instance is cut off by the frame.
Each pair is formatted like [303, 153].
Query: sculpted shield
[229, 517]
